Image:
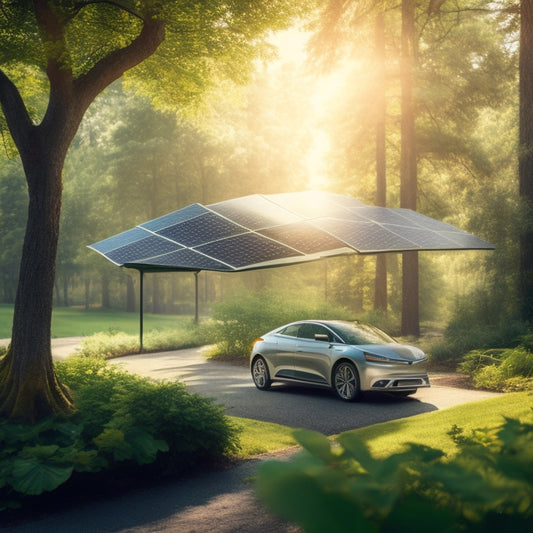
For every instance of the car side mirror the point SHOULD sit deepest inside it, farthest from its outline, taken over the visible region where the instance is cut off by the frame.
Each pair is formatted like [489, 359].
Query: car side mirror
[321, 337]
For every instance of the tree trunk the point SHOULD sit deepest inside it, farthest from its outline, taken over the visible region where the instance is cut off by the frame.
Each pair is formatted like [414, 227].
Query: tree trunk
[131, 302]
[29, 388]
[408, 168]
[525, 159]
[380, 284]
[87, 284]
[28, 384]
[105, 291]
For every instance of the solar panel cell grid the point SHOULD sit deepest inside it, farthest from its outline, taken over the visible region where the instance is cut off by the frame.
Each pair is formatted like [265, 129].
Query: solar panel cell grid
[203, 229]
[254, 212]
[187, 213]
[303, 237]
[246, 249]
[148, 247]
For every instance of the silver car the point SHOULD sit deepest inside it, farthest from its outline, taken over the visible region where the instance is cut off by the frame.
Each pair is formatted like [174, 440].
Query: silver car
[347, 357]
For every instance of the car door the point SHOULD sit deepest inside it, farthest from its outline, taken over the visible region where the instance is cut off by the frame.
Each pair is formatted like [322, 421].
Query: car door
[282, 356]
[313, 357]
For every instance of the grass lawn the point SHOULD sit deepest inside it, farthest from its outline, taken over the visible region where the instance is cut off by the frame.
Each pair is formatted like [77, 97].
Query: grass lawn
[431, 428]
[68, 322]
[384, 439]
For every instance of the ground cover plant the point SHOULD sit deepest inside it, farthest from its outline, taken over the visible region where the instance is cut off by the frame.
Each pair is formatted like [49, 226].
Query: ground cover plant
[480, 481]
[123, 424]
[111, 344]
[502, 370]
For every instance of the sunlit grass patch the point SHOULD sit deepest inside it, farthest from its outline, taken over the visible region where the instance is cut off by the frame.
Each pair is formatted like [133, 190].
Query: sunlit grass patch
[431, 429]
[258, 437]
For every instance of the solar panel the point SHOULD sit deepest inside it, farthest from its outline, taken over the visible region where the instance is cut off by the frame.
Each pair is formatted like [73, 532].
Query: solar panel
[254, 212]
[247, 249]
[187, 213]
[202, 229]
[314, 204]
[303, 237]
[187, 259]
[259, 231]
[366, 237]
[121, 239]
[151, 246]
[382, 215]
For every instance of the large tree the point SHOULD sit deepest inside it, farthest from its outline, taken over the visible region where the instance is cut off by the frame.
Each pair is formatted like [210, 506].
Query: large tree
[75, 49]
[525, 158]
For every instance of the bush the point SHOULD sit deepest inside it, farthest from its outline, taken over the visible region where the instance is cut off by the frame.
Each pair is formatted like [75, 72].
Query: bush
[486, 486]
[123, 423]
[113, 343]
[463, 337]
[501, 370]
[241, 319]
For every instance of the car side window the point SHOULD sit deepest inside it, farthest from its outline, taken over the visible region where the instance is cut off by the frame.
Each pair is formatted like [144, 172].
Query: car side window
[291, 331]
[308, 331]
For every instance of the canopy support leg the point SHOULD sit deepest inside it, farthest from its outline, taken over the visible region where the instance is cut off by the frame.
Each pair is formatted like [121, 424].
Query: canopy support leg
[196, 297]
[141, 310]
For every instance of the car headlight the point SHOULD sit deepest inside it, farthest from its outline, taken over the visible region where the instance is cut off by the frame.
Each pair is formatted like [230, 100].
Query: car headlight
[382, 359]
[259, 339]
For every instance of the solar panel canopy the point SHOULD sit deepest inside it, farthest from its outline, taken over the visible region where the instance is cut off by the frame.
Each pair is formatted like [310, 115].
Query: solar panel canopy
[262, 231]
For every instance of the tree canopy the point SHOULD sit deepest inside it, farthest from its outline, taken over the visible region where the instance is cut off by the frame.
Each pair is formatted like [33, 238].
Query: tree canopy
[72, 50]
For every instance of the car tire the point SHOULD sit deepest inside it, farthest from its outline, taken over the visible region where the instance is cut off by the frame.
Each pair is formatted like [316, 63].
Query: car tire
[260, 374]
[346, 381]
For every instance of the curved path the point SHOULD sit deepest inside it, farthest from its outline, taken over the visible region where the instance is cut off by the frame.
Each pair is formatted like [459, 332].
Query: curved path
[224, 501]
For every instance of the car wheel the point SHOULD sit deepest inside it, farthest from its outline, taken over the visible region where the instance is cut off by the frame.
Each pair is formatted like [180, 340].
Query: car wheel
[260, 374]
[346, 381]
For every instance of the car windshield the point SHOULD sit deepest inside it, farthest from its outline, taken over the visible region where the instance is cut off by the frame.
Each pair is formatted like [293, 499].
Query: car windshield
[360, 333]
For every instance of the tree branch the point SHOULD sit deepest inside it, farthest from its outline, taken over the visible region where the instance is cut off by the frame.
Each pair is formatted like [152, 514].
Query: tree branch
[113, 66]
[59, 69]
[117, 3]
[17, 116]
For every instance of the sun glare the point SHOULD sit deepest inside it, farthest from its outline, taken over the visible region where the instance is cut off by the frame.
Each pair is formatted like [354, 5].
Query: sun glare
[320, 91]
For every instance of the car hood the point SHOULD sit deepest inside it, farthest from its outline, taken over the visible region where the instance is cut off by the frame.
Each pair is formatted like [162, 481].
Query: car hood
[401, 352]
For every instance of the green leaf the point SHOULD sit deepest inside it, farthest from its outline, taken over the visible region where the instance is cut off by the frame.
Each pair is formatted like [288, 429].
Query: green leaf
[112, 440]
[33, 476]
[316, 444]
[145, 447]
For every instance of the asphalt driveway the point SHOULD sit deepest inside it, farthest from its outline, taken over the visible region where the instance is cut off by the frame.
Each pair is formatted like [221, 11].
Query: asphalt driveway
[231, 386]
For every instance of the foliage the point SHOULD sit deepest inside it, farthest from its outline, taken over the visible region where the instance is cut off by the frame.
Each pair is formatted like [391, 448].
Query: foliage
[112, 343]
[123, 422]
[485, 486]
[478, 323]
[503, 370]
[246, 315]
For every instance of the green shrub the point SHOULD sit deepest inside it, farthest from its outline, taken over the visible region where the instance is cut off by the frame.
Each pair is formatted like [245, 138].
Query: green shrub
[501, 370]
[241, 319]
[123, 422]
[114, 343]
[486, 486]
[463, 337]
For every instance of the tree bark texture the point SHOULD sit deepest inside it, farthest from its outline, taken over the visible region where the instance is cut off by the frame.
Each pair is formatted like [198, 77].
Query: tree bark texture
[525, 159]
[380, 283]
[408, 168]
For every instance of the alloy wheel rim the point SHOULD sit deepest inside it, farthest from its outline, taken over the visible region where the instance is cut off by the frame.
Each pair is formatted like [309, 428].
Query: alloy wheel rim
[345, 381]
[259, 373]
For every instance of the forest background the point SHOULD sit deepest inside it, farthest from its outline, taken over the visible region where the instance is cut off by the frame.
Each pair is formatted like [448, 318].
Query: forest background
[307, 121]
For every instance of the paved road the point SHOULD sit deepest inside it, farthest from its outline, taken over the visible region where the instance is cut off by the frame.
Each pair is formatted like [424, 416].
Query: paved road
[224, 501]
[61, 348]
